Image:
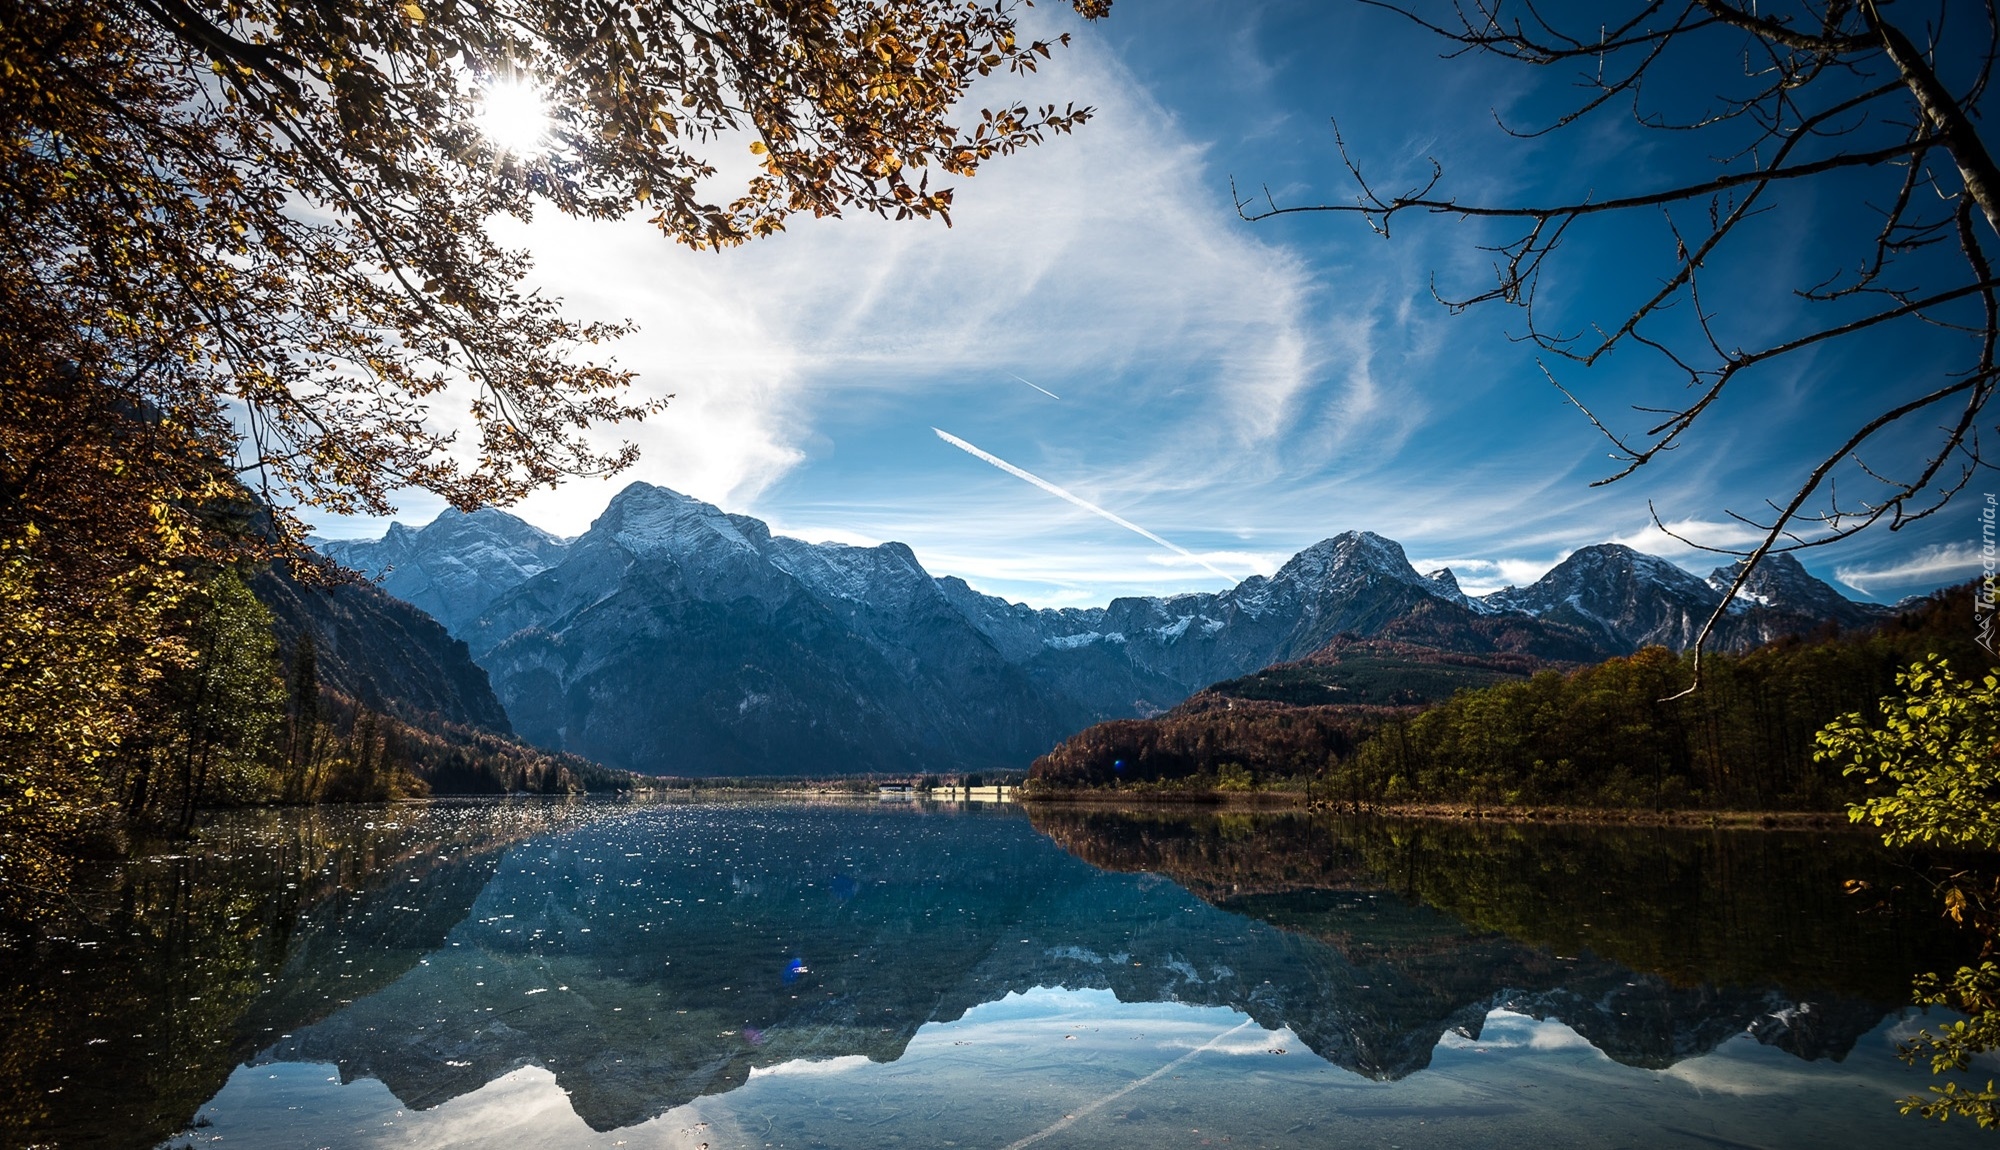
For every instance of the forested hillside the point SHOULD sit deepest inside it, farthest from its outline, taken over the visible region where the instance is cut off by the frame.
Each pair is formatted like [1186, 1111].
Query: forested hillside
[250, 711]
[1610, 735]
[1231, 746]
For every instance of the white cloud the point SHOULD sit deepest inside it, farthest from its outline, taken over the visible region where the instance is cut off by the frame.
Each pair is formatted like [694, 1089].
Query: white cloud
[704, 338]
[1683, 541]
[1507, 1030]
[1192, 355]
[1484, 576]
[1717, 1073]
[1242, 391]
[813, 1068]
[1256, 1042]
[1950, 562]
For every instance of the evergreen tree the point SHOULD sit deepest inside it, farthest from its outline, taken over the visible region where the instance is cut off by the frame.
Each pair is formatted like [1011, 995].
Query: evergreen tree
[226, 704]
[302, 721]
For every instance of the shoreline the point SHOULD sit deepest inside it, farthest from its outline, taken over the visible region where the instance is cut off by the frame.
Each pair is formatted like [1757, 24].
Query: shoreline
[1231, 802]
[1267, 801]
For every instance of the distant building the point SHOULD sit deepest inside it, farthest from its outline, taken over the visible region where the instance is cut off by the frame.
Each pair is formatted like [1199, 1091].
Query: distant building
[970, 794]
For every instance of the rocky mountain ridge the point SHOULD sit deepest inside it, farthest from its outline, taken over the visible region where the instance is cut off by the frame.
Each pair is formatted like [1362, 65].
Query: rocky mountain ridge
[380, 651]
[675, 637]
[454, 566]
[1627, 599]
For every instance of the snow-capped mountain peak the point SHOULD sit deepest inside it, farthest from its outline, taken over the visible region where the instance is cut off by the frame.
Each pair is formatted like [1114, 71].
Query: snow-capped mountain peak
[1781, 583]
[1351, 556]
[645, 520]
[455, 565]
[673, 630]
[1627, 596]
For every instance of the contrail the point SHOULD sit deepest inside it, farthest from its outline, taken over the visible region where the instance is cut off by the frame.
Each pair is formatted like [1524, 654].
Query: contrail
[1128, 1088]
[1086, 504]
[1036, 386]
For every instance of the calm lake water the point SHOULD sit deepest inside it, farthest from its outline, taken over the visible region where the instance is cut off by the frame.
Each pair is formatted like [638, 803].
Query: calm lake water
[544, 974]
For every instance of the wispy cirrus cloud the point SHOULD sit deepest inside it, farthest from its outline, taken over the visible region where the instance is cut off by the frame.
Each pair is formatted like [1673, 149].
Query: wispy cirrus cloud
[1687, 541]
[1105, 268]
[1945, 563]
[1241, 389]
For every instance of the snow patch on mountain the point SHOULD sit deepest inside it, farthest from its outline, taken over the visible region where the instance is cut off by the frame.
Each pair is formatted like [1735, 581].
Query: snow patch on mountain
[1072, 642]
[648, 520]
[455, 565]
[1782, 584]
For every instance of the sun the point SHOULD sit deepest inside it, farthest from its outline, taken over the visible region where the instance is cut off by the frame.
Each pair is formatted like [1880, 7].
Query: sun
[514, 118]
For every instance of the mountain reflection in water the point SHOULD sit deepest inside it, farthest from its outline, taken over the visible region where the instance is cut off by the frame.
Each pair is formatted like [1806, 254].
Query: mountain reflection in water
[646, 956]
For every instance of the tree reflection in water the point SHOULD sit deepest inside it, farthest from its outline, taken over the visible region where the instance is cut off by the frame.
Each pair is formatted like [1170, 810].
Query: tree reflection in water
[650, 955]
[168, 975]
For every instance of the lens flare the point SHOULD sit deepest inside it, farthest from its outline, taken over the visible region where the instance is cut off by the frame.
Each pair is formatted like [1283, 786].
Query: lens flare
[514, 118]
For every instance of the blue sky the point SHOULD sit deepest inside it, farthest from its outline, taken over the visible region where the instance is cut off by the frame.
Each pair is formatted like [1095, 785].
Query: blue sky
[1238, 390]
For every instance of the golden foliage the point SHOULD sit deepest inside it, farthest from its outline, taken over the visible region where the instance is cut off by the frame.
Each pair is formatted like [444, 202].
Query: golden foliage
[1930, 761]
[90, 541]
[252, 238]
[285, 206]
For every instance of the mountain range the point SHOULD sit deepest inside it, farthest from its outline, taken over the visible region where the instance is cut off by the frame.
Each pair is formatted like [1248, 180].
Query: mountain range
[673, 637]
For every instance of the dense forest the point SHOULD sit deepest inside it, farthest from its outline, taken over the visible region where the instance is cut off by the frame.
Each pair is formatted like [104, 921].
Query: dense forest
[1209, 744]
[1610, 735]
[227, 720]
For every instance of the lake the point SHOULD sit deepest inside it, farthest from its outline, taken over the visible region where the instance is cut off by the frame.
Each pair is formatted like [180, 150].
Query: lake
[535, 973]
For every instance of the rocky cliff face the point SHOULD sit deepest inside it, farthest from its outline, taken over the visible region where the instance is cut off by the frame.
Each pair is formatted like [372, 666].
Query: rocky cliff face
[675, 637]
[455, 566]
[381, 651]
[1781, 598]
[1623, 598]
[1627, 599]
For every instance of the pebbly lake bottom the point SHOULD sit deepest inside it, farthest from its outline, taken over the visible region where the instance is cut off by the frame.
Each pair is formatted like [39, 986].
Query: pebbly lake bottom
[529, 974]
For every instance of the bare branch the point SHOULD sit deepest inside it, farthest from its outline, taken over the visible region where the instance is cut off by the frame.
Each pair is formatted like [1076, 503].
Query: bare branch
[1835, 93]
